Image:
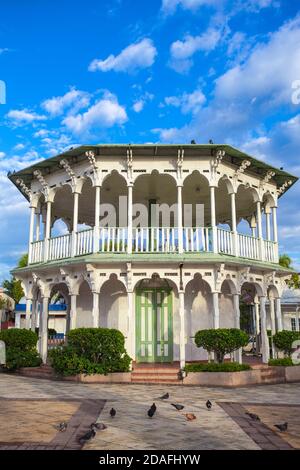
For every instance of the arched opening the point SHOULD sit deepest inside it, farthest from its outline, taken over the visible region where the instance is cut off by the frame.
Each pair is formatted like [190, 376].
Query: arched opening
[86, 206]
[195, 194]
[245, 206]
[113, 201]
[223, 205]
[249, 318]
[113, 305]
[62, 207]
[198, 313]
[226, 307]
[59, 310]
[157, 323]
[84, 317]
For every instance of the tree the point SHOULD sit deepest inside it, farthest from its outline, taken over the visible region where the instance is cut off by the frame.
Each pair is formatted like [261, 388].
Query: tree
[286, 262]
[221, 341]
[284, 340]
[12, 287]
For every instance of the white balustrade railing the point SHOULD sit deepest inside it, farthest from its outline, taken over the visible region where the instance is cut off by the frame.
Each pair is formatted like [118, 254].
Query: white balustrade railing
[154, 240]
[59, 247]
[248, 246]
[197, 239]
[37, 252]
[84, 242]
[113, 239]
[271, 251]
[225, 241]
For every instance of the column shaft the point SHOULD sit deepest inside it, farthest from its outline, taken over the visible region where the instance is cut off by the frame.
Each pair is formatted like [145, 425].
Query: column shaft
[216, 312]
[278, 314]
[75, 223]
[31, 233]
[129, 224]
[233, 225]
[182, 330]
[213, 219]
[27, 313]
[47, 230]
[130, 339]
[179, 216]
[97, 219]
[73, 311]
[264, 335]
[43, 330]
[96, 310]
[236, 308]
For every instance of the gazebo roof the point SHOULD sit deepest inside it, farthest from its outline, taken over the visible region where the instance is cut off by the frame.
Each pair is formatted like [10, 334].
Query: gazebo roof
[77, 154]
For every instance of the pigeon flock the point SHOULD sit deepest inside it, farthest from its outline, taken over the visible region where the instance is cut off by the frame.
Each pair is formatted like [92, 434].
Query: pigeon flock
[94, 427]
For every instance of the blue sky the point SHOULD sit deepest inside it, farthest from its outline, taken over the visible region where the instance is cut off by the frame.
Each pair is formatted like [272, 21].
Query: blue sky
[147, 71]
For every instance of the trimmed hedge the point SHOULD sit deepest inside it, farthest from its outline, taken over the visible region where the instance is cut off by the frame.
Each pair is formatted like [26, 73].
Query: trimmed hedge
[91, 351]
[214, 367]
[284, 339]
[20, 348]
[221, 341]
[286, 362]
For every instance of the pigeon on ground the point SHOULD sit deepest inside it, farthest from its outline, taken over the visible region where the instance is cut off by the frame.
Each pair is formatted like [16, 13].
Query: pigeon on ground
[98, 426]
[190, 416]
[112, 412]
[153, 406]
[164, 397]
[253, 416]
[282, 427]
[152, 410]
[178, 407]
[87, 436]
[209, 405]
[62, 427]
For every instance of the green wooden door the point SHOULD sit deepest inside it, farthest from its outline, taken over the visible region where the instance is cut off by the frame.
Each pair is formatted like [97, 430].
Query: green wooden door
[154, 332]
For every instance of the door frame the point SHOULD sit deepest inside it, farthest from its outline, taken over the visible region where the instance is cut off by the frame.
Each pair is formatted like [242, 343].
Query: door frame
[154, 359]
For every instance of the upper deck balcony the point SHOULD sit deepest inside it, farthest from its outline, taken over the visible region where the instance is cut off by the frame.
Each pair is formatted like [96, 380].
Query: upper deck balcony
[153, 200]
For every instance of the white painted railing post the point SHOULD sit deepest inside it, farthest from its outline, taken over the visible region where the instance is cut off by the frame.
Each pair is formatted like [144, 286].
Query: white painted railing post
[213, 219]
[129, 215]
[97, 219]
[259, 231]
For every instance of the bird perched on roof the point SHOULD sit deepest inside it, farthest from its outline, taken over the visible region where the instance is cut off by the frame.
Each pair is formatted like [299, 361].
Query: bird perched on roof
[253, 416]
[90, 434]
[177, 406]
[98, 426]
[151, 410]
[193, 142]
[208, 405]
[164, 397]
[282, 427]
[112, 412]
[210, 141]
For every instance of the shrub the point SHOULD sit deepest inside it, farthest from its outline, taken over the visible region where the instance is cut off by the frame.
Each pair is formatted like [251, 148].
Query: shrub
[221, 341]
[20, 348]
[91, 351]
[286, 361]
[213, 367]
[283, 340]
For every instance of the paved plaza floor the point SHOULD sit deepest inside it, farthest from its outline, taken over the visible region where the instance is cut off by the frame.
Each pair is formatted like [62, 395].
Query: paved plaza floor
[31, 409]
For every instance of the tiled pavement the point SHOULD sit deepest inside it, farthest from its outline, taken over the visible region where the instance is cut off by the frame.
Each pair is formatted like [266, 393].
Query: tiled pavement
[219, 428]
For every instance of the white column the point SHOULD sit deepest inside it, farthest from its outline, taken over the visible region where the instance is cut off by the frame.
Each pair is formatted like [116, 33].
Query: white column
[31, 232]
[97, 219]
[274, 220]
[259, 229]
[130, 339]
[75, 223]
[179, 220]
[216, 312]
[233, 225]
[273, 324]
[43, 330]
[268, 224]
[278, 314]
[213, 219]
[73, 311]
[95, 311]
[18, 320]
[37, 225]
[182, 330]
[129, 224]
[236, 309]
[297, 319]
[33, 314]
[264, 335]
[47, 229]
[27, 313]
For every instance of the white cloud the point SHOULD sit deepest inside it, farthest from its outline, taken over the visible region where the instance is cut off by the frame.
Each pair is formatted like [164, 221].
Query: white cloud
[3, 49]
[269, 71]
[21, 117]
[105, 113]
[135, 56]
[140, 103]
[19, 146]
[2, 154]
[188, 102]
[41, 133]
[170, 6]
[74, 99]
